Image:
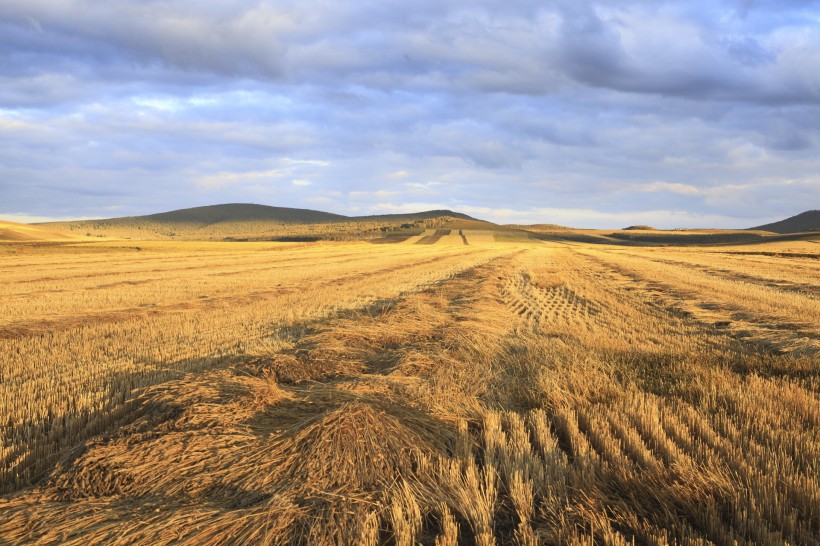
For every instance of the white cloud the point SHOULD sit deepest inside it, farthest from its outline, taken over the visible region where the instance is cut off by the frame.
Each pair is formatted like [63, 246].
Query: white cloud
[500, 106]
[315, 162]
[23, 218]
[222, 179]
[394, 208]
[377, 194]
[167, 104]
[595, 219]
[671, 187]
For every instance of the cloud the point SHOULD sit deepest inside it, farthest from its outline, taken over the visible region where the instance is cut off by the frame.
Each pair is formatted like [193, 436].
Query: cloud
[747, 50]
[672, 187]
[316, 162]
[595, 219]
[23, 218]
[222, 179]
[523, 48]
[402, 208]
[702, 109]
[378, 194]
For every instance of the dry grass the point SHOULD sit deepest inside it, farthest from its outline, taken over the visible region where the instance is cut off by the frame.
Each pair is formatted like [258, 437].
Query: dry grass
[435, 394]
[14, 232]
[81, 332]
[292, 224]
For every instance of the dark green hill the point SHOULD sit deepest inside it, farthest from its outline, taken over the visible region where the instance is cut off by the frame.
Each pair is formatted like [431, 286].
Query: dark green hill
[249, 222]
[805, 221]
[245, 212]
[241, 212]
[411, 217]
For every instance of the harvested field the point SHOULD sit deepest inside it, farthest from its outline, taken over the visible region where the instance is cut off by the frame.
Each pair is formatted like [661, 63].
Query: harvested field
[434, 237]
[479, 236]
[430, 392]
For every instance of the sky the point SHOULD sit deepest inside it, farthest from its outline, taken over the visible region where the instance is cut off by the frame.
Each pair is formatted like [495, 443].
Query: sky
[575, 112]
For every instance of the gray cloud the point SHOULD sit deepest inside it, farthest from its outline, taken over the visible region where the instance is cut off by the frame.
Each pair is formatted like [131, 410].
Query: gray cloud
[747, 51]
[707, 109]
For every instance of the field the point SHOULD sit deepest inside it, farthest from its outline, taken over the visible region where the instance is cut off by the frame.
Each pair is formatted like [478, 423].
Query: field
[16, 232]
[502, 391]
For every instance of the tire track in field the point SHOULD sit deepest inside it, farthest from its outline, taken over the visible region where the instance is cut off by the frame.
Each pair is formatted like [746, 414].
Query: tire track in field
[542, 305]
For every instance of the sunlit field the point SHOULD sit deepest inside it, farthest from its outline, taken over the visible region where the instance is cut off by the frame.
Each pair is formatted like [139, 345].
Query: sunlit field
[447, 389]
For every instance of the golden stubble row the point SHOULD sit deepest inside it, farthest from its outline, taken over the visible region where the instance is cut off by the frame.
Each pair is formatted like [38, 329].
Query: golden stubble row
[544, 397]
[72, 371]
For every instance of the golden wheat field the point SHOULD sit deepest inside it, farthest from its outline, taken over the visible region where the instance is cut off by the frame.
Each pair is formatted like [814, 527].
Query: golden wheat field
[442, 393]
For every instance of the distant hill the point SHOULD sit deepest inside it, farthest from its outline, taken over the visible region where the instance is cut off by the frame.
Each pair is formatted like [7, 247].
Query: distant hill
[14, 232]
[243, 221]
[246, 212]
[538, 228]
[413, 216]
[640, 227]
[805, 221]
[239, 212]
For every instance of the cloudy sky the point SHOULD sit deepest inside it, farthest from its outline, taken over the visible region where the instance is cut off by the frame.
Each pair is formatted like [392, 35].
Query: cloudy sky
[593, 114]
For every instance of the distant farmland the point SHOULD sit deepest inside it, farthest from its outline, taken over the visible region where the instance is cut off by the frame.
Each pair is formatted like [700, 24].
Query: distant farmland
[440, 388]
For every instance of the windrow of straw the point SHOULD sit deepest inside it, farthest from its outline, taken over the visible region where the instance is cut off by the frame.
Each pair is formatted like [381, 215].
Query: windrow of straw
[544, 399]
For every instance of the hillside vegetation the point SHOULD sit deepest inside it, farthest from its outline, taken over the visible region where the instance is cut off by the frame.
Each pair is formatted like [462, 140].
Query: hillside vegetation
[248, 222]
[258, 223]
[13, 231]
[238, 212]
[805, 221]
[436, 393]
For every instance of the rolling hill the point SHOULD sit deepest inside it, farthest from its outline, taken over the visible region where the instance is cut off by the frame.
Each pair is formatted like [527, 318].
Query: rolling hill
[238, 212]
[251, 222]
[15, 232]
[247, 212]
[243, 221]
[805, 221]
